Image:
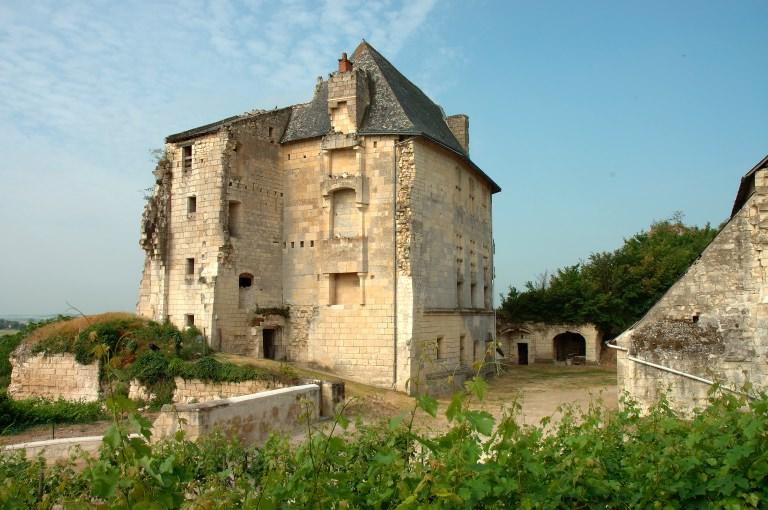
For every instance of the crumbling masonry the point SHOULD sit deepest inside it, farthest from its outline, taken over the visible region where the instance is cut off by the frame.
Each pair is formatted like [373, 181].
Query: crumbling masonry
[352, 231]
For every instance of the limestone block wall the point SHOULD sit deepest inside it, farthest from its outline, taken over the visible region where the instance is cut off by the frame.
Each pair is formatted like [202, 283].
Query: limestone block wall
[450, 254]
[182, 277]
[540, 339]
[53, 377]
[194, 390]
[713, 323]
[354, 337]
[253, 207]
[250, 418]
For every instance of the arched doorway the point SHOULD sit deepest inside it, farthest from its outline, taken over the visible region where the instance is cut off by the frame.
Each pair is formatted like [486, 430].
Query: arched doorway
[568, 344]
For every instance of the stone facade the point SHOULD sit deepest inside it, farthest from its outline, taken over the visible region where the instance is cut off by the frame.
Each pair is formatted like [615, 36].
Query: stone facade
[352, 231]
[713, 323]
[536, 342]
[53, 376]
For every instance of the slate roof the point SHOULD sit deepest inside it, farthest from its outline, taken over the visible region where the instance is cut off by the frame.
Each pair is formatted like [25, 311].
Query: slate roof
[397, 107]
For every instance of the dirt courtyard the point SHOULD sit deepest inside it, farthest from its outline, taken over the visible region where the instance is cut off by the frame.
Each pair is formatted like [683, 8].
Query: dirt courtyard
[540, 389]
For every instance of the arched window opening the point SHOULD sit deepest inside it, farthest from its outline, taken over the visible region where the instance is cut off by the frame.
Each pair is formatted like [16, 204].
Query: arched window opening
[245, 296]
[568, 345]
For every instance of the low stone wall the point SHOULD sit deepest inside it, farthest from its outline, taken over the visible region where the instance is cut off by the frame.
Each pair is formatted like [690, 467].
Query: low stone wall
[57, 449]
[250, 418]
[53, 376]
[194, 390]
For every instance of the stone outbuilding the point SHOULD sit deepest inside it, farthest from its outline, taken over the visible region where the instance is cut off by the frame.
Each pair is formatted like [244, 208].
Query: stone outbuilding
[352, 231]
[712, 325]
[537, 342]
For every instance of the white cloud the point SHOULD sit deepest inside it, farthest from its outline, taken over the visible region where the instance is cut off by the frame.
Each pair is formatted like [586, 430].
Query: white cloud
[87, 86]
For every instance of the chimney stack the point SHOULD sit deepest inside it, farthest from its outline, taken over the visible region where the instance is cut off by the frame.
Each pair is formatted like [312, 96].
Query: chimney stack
[345, 65]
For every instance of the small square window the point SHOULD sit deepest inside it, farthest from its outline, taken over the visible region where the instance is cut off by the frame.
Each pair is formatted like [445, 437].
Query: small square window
[189, 320]
[191, 204]
[190, 271]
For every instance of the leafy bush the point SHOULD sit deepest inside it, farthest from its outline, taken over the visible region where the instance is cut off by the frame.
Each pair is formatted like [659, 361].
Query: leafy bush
[598, 459]
[16, 415]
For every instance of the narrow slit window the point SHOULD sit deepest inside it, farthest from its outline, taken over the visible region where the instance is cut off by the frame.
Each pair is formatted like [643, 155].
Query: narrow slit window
[191, 204]
[186, 152]
[440, 348]
[190, 270]
[234, 219]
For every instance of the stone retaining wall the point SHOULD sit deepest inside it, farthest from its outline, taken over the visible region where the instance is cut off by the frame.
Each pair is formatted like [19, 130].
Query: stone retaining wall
[57, 449]
[251, 418]
[195, 390]
[53, 376]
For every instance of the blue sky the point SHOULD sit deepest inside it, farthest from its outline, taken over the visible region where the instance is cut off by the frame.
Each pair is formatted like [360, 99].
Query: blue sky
[596, 118]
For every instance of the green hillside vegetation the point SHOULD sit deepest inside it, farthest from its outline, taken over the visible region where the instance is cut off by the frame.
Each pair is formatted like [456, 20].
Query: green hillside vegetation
[612, 289]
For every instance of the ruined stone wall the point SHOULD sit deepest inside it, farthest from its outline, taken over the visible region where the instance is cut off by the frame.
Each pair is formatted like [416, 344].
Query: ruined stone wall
[197, 235]
[713, 323]
[451, 259]
[252, 223]
[53, 377]
[353, 338]
[540, 339]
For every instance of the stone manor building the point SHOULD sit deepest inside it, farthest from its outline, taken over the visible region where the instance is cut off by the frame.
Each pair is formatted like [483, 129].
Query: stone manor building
[352, 231]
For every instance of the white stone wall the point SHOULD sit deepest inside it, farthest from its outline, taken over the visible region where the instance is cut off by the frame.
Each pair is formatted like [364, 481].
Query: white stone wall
[540, 338]
[250, 418]
[451, 262]
[53, 377]
[713, 323]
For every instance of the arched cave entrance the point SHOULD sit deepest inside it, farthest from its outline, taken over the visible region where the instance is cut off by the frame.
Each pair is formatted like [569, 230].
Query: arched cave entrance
[569, 344]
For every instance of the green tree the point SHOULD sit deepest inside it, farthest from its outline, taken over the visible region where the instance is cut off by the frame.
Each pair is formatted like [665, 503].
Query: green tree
[613, 289]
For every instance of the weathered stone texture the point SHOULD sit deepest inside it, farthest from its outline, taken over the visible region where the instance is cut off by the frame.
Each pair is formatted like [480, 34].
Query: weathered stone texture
[713, 323]
[250, 418]
[358, 234]
[540, 339]
[55, 376]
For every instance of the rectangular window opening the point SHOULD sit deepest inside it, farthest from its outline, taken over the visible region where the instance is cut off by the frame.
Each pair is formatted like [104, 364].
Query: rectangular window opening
[189, 320]
[440, 348]
[191, 204]
[234, 219]
[190, 270]
[311, 244]
[186, 155]
[301, 244]
[462, 350]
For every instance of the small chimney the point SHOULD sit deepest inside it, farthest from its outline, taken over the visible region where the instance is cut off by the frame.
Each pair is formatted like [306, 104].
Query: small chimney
[345, 65]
